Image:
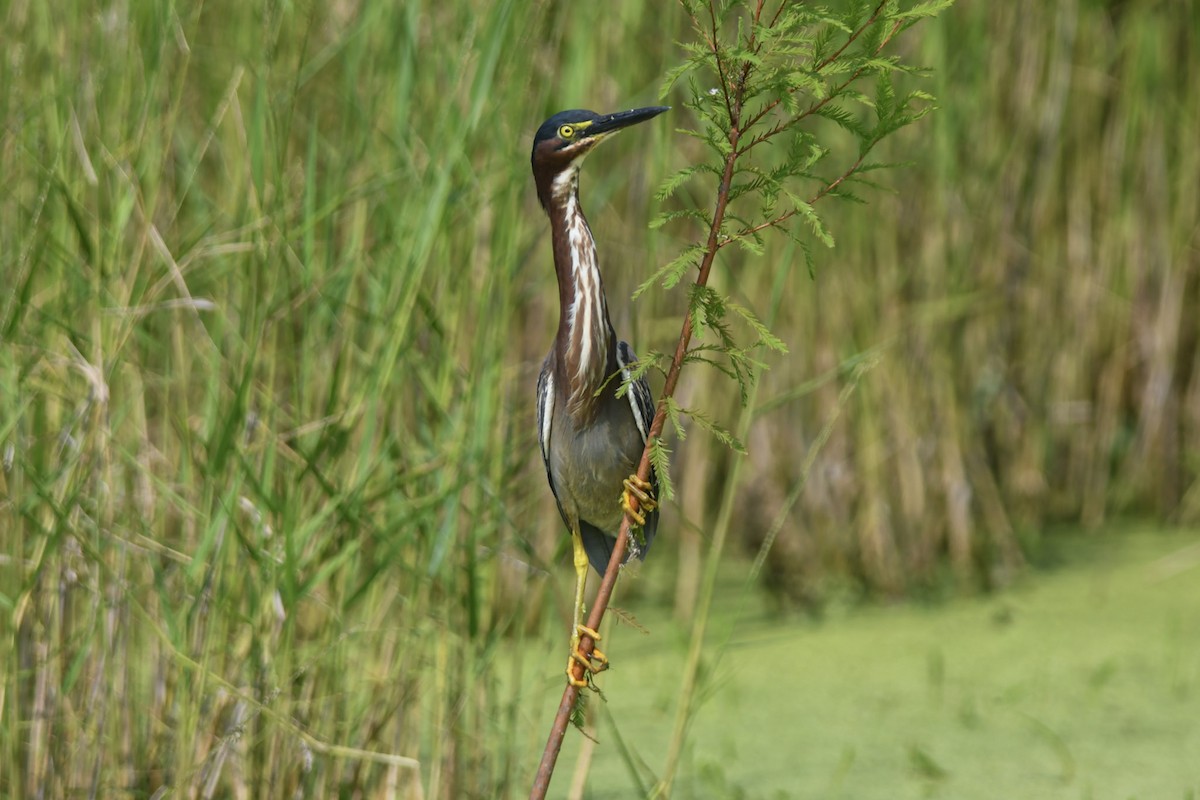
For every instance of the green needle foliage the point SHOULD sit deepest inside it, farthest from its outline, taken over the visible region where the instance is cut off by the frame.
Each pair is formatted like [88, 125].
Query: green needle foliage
[783, 69]
[759, 84]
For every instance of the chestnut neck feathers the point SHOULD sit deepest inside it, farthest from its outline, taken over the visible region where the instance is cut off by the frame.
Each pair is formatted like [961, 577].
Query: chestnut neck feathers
[584, 344]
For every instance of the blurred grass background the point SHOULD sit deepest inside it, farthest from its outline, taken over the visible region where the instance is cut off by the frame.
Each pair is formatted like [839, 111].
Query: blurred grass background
[275, 293]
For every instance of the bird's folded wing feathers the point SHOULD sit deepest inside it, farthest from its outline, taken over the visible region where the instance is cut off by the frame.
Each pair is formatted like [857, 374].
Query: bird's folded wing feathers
[640, 399]
[545, 413]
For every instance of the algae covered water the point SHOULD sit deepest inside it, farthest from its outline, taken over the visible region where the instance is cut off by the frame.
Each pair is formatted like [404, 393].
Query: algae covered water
[1083, 682]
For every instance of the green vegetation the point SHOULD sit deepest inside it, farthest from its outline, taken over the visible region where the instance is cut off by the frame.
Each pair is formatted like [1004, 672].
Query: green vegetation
[274, 290]
[1082, 683]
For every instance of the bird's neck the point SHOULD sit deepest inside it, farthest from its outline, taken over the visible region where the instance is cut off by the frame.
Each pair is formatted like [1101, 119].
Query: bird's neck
[585, 339]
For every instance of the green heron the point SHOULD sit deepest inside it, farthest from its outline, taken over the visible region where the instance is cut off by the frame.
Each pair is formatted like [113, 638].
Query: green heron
[592, 440]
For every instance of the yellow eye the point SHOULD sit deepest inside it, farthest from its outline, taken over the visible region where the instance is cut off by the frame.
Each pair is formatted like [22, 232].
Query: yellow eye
[566, 132]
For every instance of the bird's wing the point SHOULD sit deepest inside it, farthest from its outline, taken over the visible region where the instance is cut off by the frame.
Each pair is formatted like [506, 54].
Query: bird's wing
[642, 403]
[640, 399]
[545, 410]
[545, 414]
[597, 544]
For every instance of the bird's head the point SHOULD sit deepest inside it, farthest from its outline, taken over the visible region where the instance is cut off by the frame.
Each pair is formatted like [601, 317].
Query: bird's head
[562, 141]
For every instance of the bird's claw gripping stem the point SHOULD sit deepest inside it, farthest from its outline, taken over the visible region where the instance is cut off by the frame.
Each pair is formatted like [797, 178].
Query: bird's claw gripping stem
[593, 663]
[636, 487]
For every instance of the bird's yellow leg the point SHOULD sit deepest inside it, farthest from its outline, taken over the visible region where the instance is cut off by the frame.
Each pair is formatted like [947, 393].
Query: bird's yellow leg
[636, 487]
[597, 662]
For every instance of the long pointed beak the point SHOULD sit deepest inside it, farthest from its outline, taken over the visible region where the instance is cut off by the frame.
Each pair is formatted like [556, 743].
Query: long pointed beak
[623, 119]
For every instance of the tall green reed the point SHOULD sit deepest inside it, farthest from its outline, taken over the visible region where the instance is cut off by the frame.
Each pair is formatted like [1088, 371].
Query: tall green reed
[262, 508]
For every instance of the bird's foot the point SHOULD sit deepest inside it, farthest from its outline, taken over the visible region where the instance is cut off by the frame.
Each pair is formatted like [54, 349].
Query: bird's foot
[636, 487]
[592, 663]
